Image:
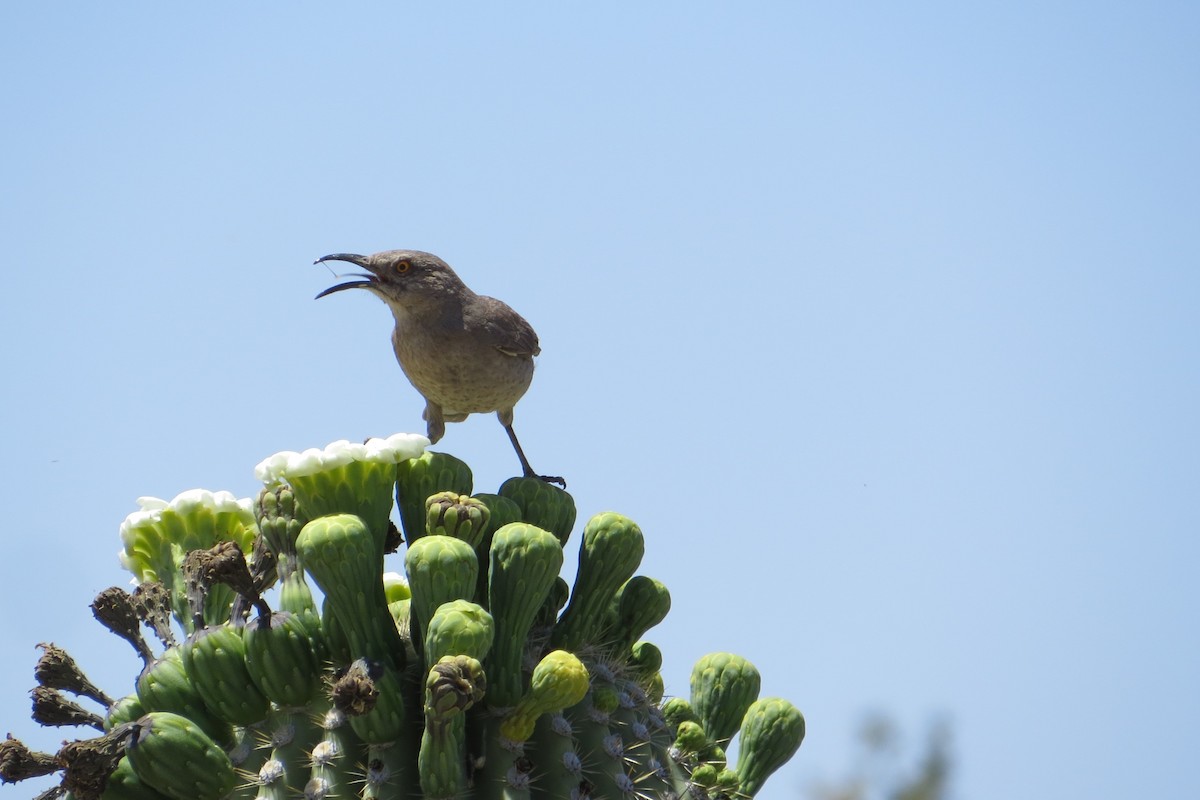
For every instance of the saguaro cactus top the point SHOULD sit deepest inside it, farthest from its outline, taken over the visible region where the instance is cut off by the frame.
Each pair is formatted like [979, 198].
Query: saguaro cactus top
[465, 683]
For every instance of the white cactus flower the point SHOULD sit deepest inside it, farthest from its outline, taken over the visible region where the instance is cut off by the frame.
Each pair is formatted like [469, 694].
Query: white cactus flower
[290, 464]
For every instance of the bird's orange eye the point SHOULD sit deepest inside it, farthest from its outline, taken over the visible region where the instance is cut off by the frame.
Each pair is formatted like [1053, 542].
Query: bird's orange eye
[403, 266]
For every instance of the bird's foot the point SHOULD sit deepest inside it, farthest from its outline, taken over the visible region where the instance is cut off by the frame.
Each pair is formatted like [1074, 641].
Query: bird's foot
[548, 479]
[525, 468]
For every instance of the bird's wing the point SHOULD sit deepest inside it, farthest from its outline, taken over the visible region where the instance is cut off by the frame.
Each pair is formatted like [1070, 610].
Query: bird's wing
[505, 329]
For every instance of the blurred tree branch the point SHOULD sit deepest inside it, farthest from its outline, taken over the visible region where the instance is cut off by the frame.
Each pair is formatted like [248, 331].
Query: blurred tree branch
[878, 771]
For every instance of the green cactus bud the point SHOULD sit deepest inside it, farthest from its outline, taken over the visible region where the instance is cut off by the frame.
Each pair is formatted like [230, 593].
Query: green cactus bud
[611, 550]
[560, 680]
[418, 478]
[440, 569]
[639, 605]
[296, 596]
[453, 686]
[280, 519]
[459, 627]
[772, 731]
[215, 660]
[340, 553]
[645, 658]
[282, 660]
[605, 699]
[164, 686]
[126, 709]
[690, 738]
[713, 754]
[457, 515]
[678, 710]
[723, 686]
[705, 776]
[728, 782]
[542, 504]
[524, 564]
[173, 755]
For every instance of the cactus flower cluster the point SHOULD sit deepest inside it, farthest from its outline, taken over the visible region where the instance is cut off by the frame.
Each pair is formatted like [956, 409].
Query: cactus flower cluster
[291, 664]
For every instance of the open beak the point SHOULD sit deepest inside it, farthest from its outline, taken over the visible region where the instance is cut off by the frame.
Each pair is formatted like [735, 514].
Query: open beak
[358, 261]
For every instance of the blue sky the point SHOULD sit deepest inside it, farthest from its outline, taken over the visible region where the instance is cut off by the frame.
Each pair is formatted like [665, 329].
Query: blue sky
[880, 319]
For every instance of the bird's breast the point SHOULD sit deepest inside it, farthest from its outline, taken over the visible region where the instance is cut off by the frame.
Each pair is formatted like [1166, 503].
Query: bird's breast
[461, 373]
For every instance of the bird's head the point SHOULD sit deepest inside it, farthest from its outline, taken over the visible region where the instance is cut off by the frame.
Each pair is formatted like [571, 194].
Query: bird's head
[398, 277]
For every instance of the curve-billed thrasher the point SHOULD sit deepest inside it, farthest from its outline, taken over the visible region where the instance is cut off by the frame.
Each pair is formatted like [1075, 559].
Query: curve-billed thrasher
[464, 352]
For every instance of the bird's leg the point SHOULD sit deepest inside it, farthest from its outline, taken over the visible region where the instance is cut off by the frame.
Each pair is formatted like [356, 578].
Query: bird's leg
[529, 473]
[435, 426]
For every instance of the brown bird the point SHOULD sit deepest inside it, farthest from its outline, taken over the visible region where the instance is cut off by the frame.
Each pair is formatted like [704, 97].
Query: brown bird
[465, 353]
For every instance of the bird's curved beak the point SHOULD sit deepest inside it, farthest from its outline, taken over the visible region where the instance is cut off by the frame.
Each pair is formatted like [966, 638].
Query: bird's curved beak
[368, 281]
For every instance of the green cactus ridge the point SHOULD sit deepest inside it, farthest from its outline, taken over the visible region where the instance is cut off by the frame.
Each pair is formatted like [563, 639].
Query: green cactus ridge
[280, 520]
[478, 674]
